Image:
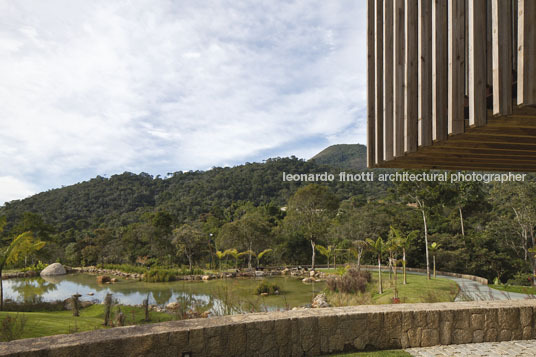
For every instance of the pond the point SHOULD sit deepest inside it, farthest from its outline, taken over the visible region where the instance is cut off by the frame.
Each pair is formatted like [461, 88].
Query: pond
[221, 296]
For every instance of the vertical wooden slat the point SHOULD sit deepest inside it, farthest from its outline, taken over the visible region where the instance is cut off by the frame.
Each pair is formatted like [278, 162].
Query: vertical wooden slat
[378, 80]
[456, 80]
[477, 62]
[515, 24]
[398, 84]
[502, 57]
[411, 88]
[371, 73]
[424, 72]
[526, 67]
[439, 70]
[388, 79]
[489, 45]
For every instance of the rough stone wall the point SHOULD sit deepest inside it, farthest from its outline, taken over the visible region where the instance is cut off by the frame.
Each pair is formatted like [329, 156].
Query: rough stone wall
[299, 333]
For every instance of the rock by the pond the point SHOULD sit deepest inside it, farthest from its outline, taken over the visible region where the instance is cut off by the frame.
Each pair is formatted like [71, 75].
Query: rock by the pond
[264, 294]
[101, 279]
[114, 280]
[53, 269]
[312, 273]
[173, 306]
[91, 294]
[308, 280]
[206, 277]
[320, 301]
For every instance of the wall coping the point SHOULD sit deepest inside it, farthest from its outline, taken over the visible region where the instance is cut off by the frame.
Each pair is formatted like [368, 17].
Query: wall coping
[87, 343]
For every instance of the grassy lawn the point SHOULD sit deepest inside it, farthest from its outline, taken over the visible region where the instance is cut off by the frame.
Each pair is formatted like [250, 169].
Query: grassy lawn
[396, 353]
[419, 289]
[531, 290]
[40, 324]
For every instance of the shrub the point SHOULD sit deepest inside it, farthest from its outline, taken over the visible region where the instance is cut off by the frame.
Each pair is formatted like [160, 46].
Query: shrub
[522, 279]
[266, 287]
[351, 282]
[127, 268]
[37, 267]
[157, 275]
[12, 327]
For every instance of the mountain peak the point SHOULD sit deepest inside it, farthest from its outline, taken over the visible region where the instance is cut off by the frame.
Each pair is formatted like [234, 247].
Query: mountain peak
[344, 156]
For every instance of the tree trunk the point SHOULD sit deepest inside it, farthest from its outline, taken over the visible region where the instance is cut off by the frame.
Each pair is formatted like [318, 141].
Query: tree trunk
[1, 292]
[461, 221]
[396, 278]
[249, 256]
[434, 267]
[404, 264]
[380, 289]
[190, 262]
[359, 260]
[313, 245]
[426, 243]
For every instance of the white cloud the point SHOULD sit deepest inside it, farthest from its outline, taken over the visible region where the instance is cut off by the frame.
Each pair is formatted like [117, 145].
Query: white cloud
[12, 189]
[94, 87]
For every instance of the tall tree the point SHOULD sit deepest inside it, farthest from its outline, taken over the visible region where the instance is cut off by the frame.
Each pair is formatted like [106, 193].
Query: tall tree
[377, 246]
[309, 211]
[188, 239]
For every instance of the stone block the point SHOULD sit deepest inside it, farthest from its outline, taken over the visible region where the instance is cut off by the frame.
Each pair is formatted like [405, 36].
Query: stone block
[430, 337]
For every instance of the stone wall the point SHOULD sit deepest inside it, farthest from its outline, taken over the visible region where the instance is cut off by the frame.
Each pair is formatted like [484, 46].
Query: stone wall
[299, 333]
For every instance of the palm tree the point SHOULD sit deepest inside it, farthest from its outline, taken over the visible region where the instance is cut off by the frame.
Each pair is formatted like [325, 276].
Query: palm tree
[20, 247]
[234, 253]
[220, 256]
[262, 254]
[392, 247]
[377, 247]
[434, 247]
[327, 252]
[404, 243]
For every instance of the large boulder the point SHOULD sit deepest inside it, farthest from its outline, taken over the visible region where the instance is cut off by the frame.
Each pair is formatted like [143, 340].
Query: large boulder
[53, 269]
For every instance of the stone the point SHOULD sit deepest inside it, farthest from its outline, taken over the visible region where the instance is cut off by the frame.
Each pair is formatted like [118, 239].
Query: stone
[308, 280]
[312, 273]
[91, 293]
[102, 279]
[173, 306]
[205, 277]
[53, 269]
[114, 280]
[320, 301]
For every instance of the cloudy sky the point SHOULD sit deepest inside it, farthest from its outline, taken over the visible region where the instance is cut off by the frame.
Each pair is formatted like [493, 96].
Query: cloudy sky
[101, 87]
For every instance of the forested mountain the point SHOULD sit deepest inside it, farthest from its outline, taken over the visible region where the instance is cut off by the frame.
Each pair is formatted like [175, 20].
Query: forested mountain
[185, 218]
[123, 199]
[344, 156]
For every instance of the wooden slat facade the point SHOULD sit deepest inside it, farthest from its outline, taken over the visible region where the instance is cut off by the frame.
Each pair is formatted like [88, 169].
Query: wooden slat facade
[452, 84]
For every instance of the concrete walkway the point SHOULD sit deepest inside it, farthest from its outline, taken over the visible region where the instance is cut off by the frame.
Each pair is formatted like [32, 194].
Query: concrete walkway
[472, 291]
[509, 348]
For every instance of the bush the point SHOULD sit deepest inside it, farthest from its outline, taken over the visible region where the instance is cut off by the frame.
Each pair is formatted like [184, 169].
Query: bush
[12, 327]
[266, 287]
[157, 275]
[34, 305]
[37, 267]
[351, 282]
[522, 279]
[127, 268]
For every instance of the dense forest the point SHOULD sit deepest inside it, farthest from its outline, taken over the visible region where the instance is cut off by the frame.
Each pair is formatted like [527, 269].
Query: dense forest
[249, 211]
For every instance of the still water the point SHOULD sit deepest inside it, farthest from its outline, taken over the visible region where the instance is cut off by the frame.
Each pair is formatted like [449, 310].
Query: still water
[222, 295]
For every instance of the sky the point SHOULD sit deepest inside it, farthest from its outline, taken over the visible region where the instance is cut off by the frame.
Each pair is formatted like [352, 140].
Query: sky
[101, 87]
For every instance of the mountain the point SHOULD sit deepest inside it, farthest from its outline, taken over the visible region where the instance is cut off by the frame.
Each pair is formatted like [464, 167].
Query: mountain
[343, 156]
[126, 198]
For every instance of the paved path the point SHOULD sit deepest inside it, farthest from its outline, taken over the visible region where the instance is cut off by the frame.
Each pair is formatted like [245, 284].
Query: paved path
[472, 291]
[495, 349]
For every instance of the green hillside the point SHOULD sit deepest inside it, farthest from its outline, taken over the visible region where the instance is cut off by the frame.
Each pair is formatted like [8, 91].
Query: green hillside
[344, 156]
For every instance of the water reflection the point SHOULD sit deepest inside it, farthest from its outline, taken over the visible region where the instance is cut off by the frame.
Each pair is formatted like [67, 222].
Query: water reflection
[220, 296]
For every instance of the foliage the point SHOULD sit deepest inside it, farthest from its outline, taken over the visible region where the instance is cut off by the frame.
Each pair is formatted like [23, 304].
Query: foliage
[351, 282]
[266, 287]
[37, 267]
[12, 327]
[127, 268]
[521, 279]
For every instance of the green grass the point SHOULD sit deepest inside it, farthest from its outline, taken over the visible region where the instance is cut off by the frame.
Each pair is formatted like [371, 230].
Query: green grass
[531, 290]
[40, 324]
[418, 290]
[390, 353]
